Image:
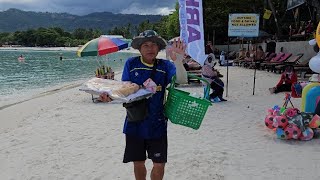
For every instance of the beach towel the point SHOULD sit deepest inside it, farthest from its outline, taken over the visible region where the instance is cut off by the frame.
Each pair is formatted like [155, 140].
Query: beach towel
[284, 57]
[278, 57]
[270, 56]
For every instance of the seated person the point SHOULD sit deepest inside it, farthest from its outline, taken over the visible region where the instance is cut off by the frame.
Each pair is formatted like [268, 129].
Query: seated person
[209, 61]
[287, 79]
[309, 27]
[291, 30]
[209, 48]
[242, 54]
[216, 52]
[251, 53]
[222, 58]
[258, 57]
[259, 54]
[216, 84]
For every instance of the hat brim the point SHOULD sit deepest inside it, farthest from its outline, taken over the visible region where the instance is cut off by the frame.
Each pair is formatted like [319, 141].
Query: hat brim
[138, 41]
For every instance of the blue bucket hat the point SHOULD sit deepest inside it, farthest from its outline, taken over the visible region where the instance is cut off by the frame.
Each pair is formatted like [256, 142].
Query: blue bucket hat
[148, 35]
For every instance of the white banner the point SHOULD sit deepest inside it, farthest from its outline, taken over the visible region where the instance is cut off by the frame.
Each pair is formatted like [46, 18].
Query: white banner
[191, 28]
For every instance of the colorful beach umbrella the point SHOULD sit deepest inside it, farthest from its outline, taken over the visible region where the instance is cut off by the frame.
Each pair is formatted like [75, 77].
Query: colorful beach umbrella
[102, 46]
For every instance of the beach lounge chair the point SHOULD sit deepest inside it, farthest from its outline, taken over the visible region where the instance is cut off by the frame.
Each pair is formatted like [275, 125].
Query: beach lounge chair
[290, 61]
[257, 62]
[269, 56]
[231, 55]
[303, 70]
[266, 55]
[197, 73]
[278, 57]
[302, 63]
[244, 59]
[236, 62]
[193, 68]
[283, 58]
[240, 55]
[267, 59]
[302, 67]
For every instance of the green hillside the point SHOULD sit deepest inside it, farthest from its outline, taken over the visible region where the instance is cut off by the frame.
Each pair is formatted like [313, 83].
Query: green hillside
[17, 20]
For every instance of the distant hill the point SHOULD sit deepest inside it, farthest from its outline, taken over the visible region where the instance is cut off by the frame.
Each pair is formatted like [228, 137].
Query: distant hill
[17, 20]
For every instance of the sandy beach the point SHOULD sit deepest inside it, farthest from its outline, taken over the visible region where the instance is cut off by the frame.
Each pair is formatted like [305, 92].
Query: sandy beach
[61, 134]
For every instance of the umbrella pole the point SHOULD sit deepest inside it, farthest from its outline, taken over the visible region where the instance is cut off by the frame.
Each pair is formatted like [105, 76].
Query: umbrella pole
[107, 61]
[254, 75]
[227, 68]
[98, 61]
[254, 80]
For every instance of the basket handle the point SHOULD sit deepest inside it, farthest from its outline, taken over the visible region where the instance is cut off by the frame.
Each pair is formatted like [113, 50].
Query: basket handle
[207, 90]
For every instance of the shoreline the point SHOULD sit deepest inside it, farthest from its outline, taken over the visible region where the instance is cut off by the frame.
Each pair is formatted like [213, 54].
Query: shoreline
[40, 48]
[127, 50]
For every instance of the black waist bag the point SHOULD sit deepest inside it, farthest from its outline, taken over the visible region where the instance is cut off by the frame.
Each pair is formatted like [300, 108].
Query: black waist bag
[137, 110]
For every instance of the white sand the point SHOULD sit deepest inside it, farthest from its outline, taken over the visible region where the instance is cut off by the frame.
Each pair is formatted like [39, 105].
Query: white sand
[63, 135]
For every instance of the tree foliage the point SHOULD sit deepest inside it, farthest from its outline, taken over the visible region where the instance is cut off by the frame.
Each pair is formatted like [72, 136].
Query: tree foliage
[215, 13]
[173, 26]
[49, 37]
[13, 20]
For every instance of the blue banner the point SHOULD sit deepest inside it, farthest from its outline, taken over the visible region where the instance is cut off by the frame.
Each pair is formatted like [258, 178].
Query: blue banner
[191, 28]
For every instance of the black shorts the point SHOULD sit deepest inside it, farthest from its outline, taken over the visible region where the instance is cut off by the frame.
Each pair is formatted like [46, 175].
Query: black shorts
[136, 149]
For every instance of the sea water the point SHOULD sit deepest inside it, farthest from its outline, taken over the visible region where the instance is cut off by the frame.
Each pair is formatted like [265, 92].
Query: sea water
[42, 70]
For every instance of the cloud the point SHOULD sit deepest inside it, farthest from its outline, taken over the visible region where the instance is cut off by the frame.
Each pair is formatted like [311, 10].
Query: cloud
[82, 7]
[137, 8]
[18, 1]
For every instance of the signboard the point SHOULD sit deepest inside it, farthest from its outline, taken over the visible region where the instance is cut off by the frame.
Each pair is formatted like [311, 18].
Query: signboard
[294, 3]
[243, 25]
[191, 28]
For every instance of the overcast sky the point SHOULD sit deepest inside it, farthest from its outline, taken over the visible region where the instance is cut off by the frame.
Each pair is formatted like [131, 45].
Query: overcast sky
[83, 7]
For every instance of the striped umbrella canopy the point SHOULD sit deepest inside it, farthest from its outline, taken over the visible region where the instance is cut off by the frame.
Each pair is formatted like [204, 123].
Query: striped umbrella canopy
[102, 46]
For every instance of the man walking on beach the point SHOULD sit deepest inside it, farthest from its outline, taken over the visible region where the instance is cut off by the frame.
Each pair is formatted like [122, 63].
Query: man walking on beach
[150, 135]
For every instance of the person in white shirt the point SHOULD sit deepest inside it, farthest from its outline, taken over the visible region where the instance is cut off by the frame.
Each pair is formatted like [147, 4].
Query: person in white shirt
[222, 59]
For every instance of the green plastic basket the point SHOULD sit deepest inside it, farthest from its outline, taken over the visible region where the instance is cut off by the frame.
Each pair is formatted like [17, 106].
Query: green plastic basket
[186, 110]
